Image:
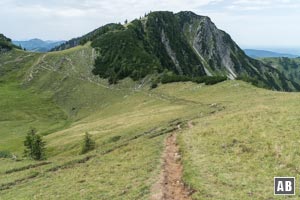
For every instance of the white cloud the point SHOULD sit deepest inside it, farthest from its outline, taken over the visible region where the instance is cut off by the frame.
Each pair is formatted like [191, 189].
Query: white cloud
[252, 2]
[263, 4]
[64, 19]
[254, 22]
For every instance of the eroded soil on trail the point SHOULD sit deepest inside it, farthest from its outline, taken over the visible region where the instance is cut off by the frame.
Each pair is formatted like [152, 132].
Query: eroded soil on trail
[170, 185]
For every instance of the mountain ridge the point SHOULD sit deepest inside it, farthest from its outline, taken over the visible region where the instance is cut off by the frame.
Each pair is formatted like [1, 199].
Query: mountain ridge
[183, 43]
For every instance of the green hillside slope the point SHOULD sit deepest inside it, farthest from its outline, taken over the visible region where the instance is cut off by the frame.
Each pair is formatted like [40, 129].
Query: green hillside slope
[61, 87]
[288, 66]
[22, 107]
[235, 153]
[6, 44]
[228, 139]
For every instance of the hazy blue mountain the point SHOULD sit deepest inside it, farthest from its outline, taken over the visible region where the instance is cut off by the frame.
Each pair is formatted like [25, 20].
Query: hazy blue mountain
[38, 45]
[267, 54]
[285, 50]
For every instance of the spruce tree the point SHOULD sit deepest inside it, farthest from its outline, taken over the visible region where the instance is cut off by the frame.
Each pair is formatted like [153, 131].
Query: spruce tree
[28, 143]
[38, 148]
[34, 146]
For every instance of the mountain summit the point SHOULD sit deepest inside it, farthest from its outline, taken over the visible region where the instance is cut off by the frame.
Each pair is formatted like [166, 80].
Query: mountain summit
[183, 44]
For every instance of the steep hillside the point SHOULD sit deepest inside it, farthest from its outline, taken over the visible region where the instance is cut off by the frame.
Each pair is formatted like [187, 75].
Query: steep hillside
[221, 55]
[181, 44]
[88, 37]
[6, 44]
[290, 67]
[24, 107]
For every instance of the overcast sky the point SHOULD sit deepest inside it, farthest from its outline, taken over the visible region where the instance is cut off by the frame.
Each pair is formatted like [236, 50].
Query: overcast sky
[251, 23]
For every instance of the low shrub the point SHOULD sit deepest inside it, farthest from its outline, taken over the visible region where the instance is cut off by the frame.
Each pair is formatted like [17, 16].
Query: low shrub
[5, 154]
[208, 80]
[154, 85]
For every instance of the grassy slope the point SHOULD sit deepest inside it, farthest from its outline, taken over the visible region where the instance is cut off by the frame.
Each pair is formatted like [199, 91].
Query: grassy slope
[235, 153]
[23, 108]
[242, 146]
[128, 127]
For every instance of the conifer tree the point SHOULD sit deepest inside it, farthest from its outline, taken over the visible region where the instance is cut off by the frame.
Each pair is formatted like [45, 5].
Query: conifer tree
[34, 145]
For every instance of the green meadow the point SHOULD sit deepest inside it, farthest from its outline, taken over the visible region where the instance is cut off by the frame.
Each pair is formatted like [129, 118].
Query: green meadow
[241, 137]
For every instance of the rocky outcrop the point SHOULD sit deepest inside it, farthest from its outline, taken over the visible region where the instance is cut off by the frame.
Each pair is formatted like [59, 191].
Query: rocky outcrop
[170, 52]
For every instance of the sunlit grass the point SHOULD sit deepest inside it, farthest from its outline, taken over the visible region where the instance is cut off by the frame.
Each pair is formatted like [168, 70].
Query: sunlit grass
[242, 136]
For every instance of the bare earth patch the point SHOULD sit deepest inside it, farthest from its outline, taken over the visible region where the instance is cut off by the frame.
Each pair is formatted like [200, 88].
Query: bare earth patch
[170, 185]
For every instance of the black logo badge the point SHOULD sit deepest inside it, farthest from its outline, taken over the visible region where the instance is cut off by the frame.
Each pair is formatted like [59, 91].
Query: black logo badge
[284, 185]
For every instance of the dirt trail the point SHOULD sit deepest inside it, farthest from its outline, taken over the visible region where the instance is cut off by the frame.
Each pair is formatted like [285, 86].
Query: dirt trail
[170, 185]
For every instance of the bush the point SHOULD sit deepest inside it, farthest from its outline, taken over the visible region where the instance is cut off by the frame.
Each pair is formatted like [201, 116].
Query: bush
[5, 154]
[208, 80]
[166, 78]
[88, 144]
[154, 85]
[34, 146]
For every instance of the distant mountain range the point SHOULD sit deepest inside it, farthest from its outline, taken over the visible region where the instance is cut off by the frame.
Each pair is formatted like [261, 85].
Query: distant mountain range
[38, 45]
[253, 53]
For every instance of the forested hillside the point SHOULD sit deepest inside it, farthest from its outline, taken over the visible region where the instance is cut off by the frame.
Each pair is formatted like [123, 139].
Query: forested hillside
[6, 44]
[182, 44]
